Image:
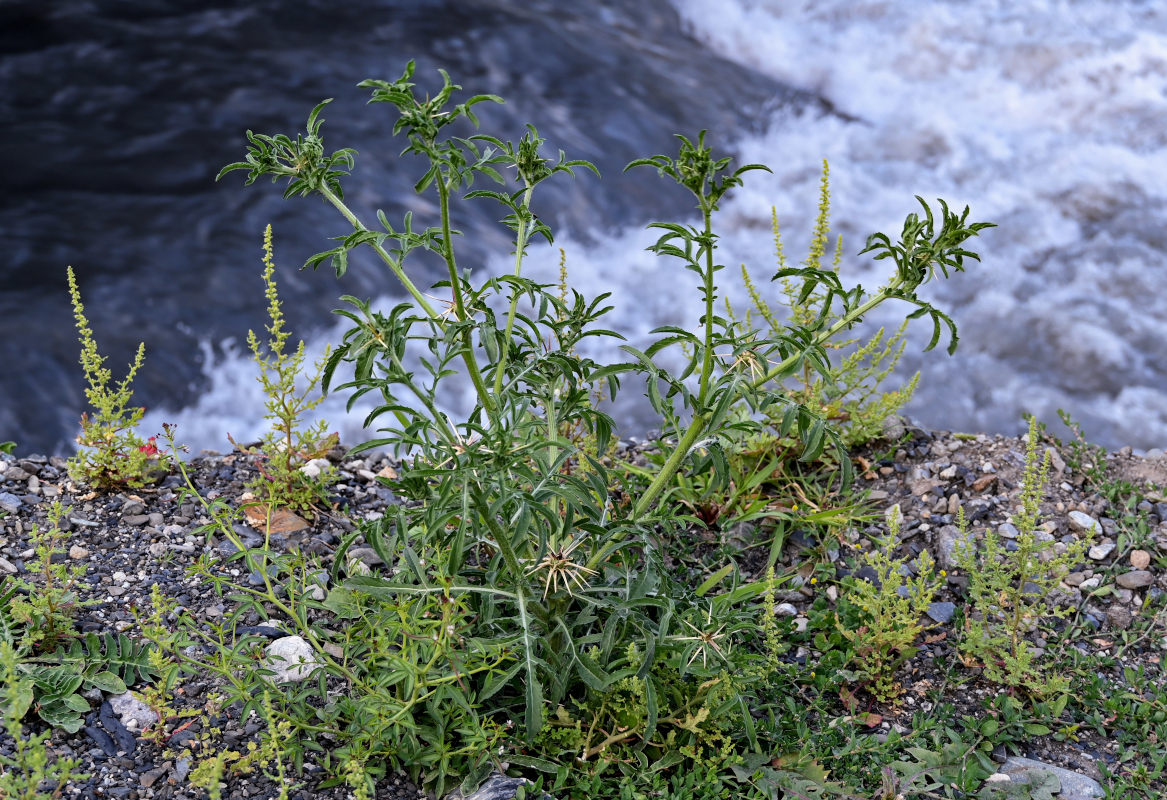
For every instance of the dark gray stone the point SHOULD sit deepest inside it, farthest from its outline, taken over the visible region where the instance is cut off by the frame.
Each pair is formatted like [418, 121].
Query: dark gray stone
[941, 612]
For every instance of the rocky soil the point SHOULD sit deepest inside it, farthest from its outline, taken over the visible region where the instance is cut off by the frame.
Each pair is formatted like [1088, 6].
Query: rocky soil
[130, 541]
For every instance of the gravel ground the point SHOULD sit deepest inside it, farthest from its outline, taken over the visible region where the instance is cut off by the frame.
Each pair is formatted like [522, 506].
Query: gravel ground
[130, 541]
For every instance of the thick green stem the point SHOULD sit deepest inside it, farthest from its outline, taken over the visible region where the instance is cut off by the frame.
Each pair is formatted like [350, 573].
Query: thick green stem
[663, 477]
[707, 359]
[484, 395]
[671, 465]
[394, 266]
[520, 248]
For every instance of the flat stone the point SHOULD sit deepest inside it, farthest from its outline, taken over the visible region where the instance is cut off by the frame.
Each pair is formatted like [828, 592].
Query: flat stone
[15, 474]
[1135, 579]
[10, 502]
[496, 787]
[1101, 550]
[984, 482]
[1090, 584]
[1118, 617]
[785, 610]
[367, 555]
[947, 539]
[1140, 559]
[135, 715]
[291, 659]
[150, 777]
[7, 566]
[1074, 578]
[1073, 786]
[941, 612]
[1057, 464]
[1083, 523]
[1008, 530]
[78, 553]
[136, 519]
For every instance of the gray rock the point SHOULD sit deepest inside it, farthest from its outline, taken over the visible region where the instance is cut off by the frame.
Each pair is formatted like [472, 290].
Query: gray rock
[785, 610]
[1084, 522]
[1057, 464]
[947, 540]
[497, 787]
[15, 474]
[941, 612]
[1135, 579]
[1101, 550]
[10, 502]
[1118, 617]
[7, 566]
[366, 554]
[1090, 584]
[136, 519]
[1008, 530]
[135, 715]
[291, 658]
[1072, 785]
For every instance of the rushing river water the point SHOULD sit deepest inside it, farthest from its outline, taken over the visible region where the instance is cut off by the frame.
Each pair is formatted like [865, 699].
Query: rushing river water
[1047, 118]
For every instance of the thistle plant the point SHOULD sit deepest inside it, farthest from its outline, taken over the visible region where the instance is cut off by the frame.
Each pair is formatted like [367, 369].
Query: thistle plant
[540, 582]
[890, 610]
[287, 448]
[112, 454]
[1011, 592]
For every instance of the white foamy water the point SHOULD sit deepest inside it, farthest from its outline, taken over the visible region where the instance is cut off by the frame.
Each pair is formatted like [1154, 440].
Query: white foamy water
[1048, 118]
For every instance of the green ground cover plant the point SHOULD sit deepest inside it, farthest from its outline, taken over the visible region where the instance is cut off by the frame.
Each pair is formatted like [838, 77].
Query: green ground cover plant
[1011, 593]
[848, 393]
[890, 609]
[112, 454]
[288, 447]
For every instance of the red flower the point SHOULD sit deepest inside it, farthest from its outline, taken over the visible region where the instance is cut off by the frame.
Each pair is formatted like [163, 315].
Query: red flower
[150, 448]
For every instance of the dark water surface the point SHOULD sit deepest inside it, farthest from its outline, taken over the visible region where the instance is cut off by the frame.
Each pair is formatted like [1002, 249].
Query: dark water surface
[116, 116]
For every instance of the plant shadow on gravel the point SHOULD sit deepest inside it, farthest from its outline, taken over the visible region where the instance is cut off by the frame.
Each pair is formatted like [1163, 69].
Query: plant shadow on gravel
[693, 617]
